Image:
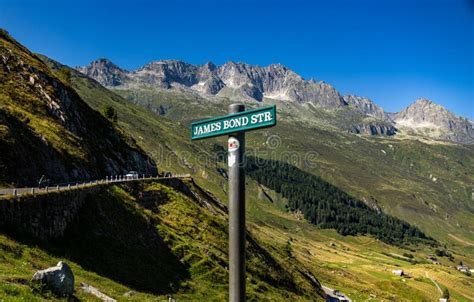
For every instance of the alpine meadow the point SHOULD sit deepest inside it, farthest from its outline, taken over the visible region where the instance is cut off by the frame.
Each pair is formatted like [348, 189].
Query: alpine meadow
[128, 176]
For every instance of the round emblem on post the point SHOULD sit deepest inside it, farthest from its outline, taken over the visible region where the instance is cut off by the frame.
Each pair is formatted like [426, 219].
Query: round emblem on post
[233, 144]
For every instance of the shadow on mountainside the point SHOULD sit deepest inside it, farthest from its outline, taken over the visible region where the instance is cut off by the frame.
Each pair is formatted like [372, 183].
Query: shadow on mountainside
[111, 238]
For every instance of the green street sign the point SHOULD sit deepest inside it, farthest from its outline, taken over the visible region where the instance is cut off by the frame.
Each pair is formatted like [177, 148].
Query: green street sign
[237, 122]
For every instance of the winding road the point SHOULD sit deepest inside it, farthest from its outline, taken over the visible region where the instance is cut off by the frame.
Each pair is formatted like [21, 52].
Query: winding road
[4, 192]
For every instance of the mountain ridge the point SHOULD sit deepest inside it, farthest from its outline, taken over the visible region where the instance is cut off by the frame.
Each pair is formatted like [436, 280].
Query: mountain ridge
[426, 117]
[409, 179]
[254, 81]
[278, 82]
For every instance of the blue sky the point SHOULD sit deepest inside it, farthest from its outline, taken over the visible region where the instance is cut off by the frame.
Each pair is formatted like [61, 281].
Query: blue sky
[390, 51]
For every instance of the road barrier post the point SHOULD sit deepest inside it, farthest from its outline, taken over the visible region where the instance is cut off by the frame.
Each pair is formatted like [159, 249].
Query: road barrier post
[33, 191]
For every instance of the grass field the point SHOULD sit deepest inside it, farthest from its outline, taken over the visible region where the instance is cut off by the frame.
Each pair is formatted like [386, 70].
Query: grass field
[160, 242]
[358, 266]
[427, 183]
[397, 180]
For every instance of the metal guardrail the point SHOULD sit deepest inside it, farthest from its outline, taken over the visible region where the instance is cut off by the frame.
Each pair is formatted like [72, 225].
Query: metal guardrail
[83, 184]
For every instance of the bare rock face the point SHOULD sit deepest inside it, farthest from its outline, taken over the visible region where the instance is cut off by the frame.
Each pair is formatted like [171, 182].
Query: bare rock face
[59, 279]
[426, 117]
[274, 81]
[277, 82]
[367, 106]
[373, 128]
[105, 72]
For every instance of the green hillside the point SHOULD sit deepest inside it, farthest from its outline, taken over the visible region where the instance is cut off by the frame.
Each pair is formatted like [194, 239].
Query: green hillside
[428, 183]
[385, 173]
[47, 129]
[268, 218]
[181, 250]
[328, 207]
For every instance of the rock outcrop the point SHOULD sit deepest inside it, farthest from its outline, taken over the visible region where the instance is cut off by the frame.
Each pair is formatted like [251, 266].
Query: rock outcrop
[274, 81]
[373, 128]
[59, 279]
[47, 129]
[430, 119]
[105, 72]
[277, 82]
[367, 107]
[43, 216]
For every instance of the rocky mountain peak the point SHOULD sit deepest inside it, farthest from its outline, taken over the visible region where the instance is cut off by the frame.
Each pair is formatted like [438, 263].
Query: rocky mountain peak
[423, 101]
[101, 63]
[426, 117]
[278, 82]
[209, 66]
[367, 107]
[274, 81]
[424, 110]
[165, 63]
[105, 72]
[426, 105]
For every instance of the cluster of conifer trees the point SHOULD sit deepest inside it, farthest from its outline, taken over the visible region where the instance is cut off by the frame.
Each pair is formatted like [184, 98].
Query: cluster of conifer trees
[329, 207]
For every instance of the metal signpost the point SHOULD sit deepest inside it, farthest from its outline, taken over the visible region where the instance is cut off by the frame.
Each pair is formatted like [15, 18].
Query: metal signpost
[236, 124]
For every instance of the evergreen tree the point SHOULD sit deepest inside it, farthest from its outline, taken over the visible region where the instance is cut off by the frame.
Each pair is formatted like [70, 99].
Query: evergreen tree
[329, 207]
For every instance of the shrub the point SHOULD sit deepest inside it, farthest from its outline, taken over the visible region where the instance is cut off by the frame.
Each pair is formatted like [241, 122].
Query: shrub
[446, 293]
[110, 113]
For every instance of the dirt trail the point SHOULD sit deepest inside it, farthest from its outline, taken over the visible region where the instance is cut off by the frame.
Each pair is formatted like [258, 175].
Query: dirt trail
[434, 282]
[465, 242]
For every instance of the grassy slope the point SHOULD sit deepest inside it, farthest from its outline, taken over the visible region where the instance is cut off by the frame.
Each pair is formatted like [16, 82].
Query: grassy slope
[45, 127]
[331, 163]
[394, 173]
[181, 250]
[360, 266]
[396, 179]
[196, 236]
[370, 267]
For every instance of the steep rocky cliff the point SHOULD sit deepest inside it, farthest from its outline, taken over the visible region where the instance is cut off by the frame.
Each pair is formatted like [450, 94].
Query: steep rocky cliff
[46, 128]
[278, 83]
[273, 81]
[373, 128]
